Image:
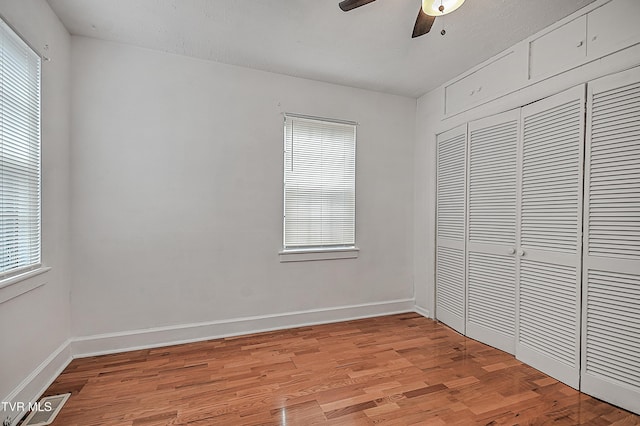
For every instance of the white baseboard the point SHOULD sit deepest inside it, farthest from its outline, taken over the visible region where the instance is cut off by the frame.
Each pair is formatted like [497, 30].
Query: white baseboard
[34, 385]
[164, 336]
[422, 311]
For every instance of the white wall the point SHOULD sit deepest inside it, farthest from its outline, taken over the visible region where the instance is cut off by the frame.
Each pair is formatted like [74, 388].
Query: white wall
[34, 325]
[430, 121]
[177, 192]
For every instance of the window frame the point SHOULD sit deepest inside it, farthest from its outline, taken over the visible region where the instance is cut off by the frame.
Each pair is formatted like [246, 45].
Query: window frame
[326, 252]
[32, 264]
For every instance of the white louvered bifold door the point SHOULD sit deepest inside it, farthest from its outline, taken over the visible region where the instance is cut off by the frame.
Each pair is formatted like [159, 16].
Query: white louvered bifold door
[491, 261]
[450, 246]
[611, 265]
[550, 235]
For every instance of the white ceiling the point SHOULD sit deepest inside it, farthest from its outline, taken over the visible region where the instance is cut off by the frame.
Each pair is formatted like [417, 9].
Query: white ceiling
[369, 47]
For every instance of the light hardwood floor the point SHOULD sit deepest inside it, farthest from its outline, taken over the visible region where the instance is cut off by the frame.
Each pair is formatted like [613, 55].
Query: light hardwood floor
[397, 370]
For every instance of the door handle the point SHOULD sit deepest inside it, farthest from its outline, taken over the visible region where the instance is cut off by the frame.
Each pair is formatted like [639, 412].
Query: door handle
[512, 251]
[521, 252]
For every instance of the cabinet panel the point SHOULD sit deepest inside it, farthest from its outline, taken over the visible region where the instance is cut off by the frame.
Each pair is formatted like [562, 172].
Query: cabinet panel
[450, 287]
[558, 50]
[492, 183]
[491, 305]
[613, 27]
[451, 185]
[496, 78]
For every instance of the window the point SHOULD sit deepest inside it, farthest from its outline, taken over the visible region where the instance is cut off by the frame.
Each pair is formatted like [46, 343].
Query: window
[19, 154]
[319, 183]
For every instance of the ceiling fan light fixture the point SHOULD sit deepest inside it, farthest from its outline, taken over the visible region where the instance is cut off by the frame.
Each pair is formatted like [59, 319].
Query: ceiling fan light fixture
[440, 7]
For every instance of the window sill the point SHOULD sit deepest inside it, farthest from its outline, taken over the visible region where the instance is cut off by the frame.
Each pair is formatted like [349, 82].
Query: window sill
[17, 285]
[304, 255]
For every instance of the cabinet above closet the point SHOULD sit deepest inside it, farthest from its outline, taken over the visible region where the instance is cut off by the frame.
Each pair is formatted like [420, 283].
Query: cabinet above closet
[494, 78]
[598, 30]
[606, 29]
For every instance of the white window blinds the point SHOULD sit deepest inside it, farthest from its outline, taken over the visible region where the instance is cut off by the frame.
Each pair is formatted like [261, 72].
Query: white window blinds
[19, 154]
[319, 183]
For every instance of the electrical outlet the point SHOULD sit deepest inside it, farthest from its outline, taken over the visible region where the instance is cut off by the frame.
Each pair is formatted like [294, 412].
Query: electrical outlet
[7, 422]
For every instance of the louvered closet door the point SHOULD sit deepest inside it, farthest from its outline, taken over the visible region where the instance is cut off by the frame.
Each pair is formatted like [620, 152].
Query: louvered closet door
[550, 235]
[491, 262]
[450, 246]
[611, 274]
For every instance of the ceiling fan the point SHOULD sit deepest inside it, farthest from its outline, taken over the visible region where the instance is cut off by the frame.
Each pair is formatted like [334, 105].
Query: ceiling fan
[426, 15]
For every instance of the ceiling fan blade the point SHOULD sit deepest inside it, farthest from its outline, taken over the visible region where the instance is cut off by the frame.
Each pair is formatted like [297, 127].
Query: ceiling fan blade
[347, 5]
[423, 24]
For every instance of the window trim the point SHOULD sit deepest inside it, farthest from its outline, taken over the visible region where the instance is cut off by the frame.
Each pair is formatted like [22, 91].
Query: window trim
[17, 285]
[296, 254]
[22, 273]
[303, 255]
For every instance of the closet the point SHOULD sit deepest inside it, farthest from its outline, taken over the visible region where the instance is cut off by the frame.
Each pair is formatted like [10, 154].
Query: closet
[520, 272]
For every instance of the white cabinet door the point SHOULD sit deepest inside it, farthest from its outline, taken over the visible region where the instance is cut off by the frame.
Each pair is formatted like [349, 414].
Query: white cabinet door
[558, 50]
[451, 223]
[611, 264]
[612, 27]
[491, 262]
[550, 235]
[490, 80]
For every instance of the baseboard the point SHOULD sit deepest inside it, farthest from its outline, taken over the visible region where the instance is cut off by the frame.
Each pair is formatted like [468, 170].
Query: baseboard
[34, 385]
[422, 311]
[164, 336]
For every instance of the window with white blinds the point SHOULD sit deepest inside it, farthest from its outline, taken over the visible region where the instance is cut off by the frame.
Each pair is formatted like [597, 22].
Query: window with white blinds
[319, 183]
[19, 154]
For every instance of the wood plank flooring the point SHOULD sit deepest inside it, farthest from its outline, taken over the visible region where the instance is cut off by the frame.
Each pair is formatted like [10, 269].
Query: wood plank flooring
[394, 370]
